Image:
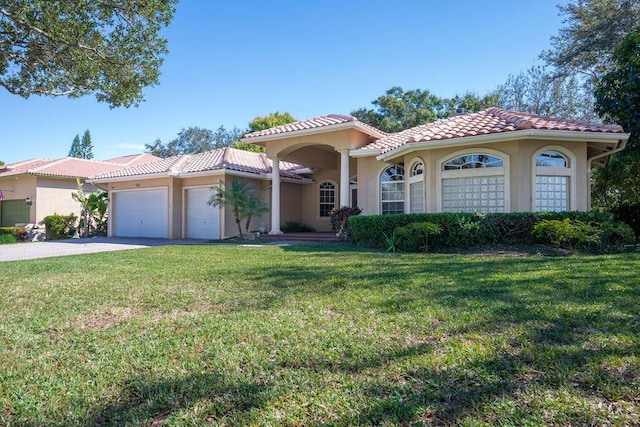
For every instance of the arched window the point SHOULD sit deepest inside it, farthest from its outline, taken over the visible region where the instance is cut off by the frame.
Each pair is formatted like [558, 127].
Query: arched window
[416, 187]
[474, 182]
[552, 182]
[392, 190]
[327, 198]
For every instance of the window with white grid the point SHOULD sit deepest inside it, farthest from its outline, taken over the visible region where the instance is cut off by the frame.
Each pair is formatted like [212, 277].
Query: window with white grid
[551, 192]
[327, 198]
[483, 194]
[392, 190]
[416, 188]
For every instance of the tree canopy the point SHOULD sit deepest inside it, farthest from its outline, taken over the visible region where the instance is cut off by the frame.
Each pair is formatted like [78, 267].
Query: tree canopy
[592, 31]
[397, 110]
[195, 140]
[270, 120]
[112, 49]
[539, 90]
[82, 149]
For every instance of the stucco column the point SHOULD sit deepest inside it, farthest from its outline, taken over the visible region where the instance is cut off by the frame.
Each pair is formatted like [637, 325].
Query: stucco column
[275, 198]
[344, 178]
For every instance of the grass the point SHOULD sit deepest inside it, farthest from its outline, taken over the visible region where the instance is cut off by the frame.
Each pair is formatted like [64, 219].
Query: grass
[311, 334]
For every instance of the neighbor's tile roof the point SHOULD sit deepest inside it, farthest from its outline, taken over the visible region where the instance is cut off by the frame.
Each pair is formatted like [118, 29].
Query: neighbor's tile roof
[66, 167]
[134, 159]
[222, 158]
[313, 123]
[485, 122]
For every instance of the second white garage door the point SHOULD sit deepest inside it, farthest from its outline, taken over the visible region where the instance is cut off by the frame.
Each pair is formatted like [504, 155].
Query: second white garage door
[141, 213]
[203, 221]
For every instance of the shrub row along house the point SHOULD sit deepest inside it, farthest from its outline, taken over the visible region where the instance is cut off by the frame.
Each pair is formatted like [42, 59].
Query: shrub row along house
[32, 189]
[490, 161]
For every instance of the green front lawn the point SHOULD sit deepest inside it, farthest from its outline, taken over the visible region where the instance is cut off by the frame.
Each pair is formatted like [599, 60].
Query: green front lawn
[310, 334]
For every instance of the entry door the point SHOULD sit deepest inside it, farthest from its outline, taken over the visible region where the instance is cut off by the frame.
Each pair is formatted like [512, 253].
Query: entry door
[203, 221]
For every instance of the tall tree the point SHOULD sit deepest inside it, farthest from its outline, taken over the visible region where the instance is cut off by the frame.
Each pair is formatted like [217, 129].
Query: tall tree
[270, 121]
[397, 110]
[618, 100]
[592, 30]
[75, 150]
[82, 149]
[539, 90]
[195, 140]
[112, 49]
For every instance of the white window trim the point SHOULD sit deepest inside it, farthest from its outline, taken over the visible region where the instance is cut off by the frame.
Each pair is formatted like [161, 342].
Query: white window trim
[492, 171]
[412, 180]
[336, 195]
[379, 186]
[551, 171]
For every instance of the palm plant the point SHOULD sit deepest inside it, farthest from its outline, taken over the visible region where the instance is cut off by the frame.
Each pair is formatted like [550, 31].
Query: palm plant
[239, 195]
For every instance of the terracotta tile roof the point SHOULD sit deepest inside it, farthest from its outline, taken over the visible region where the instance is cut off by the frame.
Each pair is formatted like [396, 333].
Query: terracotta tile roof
[134, 159]
[485, 122]
[314, 123]
[66, 167]
[223, 158]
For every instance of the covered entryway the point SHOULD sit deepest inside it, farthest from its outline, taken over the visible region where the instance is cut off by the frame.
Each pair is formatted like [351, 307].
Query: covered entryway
[203, 221]
[13, 212]
[141, 213]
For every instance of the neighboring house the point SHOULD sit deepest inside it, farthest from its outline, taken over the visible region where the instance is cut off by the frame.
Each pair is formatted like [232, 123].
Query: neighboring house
[35, 188]
[491, 161]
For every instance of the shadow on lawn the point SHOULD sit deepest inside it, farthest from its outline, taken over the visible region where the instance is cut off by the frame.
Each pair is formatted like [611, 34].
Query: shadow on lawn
[151, 402]
[579, 327]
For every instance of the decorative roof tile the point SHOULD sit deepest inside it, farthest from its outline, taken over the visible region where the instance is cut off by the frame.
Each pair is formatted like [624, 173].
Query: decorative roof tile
[134, 159]
[226, 158]
[490, 121]
[314, 123]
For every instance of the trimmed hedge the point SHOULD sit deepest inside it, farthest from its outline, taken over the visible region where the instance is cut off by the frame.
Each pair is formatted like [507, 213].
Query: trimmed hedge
[467, 229]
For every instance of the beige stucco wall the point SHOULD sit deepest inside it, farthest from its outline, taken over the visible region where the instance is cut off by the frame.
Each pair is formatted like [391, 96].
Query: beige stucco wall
[520, 157]
[55, 196]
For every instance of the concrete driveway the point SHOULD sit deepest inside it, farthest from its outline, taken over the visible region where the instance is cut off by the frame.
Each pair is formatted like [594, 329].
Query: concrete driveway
[34, 250]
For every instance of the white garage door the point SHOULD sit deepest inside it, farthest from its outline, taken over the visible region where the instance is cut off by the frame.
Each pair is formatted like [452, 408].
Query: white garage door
[141, 213]
[203, 221]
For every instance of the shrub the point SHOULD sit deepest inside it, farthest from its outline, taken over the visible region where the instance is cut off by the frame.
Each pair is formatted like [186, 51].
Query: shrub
[296, 227]
[20, 233]
[340, 221]
[564, 233]
[415, 236]
[629, 214]
[473, 229]
[60, 226]
[8, 238]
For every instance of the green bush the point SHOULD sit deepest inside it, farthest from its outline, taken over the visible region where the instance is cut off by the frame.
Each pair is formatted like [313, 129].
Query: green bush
[7, 238]
[60, 226]
[296, 227]
[414, 237]
[629, 214]
[464, 230]
[20, 233]
[604, 237]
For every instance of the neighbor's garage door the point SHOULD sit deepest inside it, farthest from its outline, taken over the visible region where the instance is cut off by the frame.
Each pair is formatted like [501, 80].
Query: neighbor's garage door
[203, 221]
[13, 212]
[141, 213]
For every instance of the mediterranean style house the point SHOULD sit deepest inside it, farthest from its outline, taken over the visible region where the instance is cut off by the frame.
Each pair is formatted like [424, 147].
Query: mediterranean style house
[32, 189]
[490, 161]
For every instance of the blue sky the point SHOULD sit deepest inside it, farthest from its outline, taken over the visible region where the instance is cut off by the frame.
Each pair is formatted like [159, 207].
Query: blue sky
[232, 61]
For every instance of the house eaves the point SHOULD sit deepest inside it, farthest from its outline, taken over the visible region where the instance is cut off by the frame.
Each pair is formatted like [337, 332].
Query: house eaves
[319, 130]
[540, 134]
